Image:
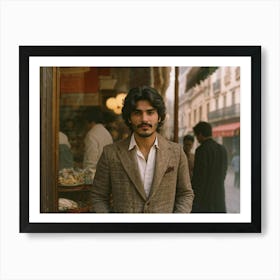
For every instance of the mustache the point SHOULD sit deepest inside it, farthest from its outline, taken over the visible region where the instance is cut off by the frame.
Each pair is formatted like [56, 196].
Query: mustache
[144, 124]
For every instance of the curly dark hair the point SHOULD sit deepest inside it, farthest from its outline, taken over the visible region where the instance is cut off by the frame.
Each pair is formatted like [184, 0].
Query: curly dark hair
[94, 114]
[188, 137]
[143, 93]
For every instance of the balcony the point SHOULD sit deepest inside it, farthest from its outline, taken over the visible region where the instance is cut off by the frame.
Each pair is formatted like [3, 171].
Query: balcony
[224, 113]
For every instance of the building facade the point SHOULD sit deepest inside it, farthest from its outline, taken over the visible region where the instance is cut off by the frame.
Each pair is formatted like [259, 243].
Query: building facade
[216, 99]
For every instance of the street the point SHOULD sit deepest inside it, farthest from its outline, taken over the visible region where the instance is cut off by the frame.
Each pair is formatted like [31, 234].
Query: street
[232, 193]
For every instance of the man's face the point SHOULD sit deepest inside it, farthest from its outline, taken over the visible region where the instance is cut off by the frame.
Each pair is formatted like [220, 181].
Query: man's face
[144, 119]
[188, 144]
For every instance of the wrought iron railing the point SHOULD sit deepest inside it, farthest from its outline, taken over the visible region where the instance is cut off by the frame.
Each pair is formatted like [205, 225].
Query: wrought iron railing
[224, 113]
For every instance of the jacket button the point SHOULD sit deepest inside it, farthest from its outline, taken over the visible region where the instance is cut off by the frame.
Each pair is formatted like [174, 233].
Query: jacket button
[146, 208]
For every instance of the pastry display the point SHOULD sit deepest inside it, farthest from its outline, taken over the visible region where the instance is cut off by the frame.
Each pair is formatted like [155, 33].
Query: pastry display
[65, 204]
[75, 177]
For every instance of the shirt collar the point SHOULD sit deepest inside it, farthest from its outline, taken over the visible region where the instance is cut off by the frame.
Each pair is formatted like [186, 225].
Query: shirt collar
[133, 143]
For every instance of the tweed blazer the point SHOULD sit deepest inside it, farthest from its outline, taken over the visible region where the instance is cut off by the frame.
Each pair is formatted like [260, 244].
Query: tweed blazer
[117, 186]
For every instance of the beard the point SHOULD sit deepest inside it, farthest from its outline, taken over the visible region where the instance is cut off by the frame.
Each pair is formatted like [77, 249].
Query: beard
[145, 134]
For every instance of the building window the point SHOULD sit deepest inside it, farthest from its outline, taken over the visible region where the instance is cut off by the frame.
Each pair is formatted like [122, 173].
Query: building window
[237, 73]
[217, 86]
[217, 103]
[200, 113]
[225, 101]
[217, 83]
[227, 76]
[233, 97]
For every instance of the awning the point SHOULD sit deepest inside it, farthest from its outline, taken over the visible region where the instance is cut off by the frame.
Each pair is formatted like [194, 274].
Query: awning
[226, 130]
[198, 74]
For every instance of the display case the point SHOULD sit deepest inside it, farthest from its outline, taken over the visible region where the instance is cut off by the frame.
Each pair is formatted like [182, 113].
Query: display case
[78, 194]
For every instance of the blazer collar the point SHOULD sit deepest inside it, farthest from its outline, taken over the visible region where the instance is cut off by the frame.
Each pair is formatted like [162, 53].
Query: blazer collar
[127, 158]
[133, 143]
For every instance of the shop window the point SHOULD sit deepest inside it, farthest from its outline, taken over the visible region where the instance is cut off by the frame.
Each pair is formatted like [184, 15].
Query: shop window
[68, 94]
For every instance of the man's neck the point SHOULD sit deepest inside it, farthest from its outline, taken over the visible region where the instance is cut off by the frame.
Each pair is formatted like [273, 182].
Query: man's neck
[145, 143]
[206, 138]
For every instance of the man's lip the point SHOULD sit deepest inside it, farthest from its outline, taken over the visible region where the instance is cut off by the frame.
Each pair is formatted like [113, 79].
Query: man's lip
[144, 126]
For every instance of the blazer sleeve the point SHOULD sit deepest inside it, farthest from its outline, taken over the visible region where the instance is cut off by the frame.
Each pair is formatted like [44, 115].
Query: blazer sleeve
[184, 192]
[101, 187]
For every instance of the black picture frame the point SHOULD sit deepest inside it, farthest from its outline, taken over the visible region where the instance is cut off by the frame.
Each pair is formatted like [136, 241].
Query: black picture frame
[253, 52]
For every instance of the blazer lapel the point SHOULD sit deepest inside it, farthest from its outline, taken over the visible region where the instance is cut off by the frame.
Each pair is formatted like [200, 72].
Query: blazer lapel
[162, 161]
[129, 163]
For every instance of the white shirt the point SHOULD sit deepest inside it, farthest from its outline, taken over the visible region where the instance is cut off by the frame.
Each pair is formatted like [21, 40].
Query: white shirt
[95, 140]
[146, 168]
[63, 139]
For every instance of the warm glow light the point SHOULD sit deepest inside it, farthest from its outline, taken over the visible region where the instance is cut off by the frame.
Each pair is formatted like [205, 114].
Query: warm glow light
[111, 103]
[120, 98]
[116, 103]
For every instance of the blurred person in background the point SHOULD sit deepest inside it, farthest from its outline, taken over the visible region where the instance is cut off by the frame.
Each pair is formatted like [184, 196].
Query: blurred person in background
[210, 167]
[65, 153]
[188, 142]
[96, 138]
[235, 163]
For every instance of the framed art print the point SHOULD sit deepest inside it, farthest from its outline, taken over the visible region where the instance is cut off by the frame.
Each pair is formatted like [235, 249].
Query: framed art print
[220, 85]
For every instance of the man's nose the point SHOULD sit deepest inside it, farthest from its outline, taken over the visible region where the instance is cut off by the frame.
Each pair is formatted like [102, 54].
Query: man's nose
[144, 117]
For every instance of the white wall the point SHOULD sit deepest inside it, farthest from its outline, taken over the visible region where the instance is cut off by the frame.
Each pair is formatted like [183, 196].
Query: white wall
[139, 256]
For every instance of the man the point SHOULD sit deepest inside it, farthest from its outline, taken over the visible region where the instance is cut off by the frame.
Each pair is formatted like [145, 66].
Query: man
[235, 163]
[144, 173]
[96, 138]
[65, 155]
[188, 142]
[210, 167]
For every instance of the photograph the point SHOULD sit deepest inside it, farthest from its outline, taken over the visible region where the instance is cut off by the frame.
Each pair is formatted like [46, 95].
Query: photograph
[170, 134]
[139, 132]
